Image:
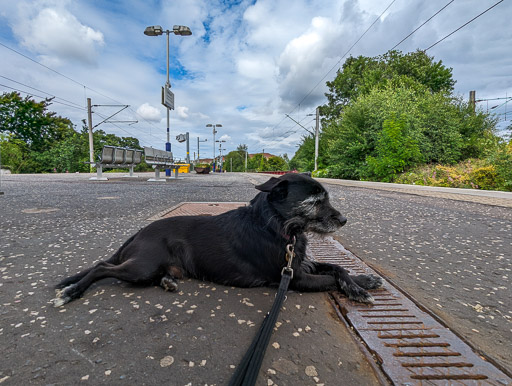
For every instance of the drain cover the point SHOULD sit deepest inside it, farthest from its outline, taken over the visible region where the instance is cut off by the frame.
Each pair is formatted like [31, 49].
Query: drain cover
[198, 209]
[412, 346]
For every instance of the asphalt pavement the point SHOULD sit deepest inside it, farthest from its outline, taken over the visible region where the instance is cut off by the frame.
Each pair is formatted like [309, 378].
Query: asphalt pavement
[451, 255]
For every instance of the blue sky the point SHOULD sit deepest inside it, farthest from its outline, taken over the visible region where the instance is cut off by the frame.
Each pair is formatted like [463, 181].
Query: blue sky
[247, 64]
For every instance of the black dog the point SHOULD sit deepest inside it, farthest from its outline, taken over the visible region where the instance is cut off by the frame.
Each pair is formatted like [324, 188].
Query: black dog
[247, 247]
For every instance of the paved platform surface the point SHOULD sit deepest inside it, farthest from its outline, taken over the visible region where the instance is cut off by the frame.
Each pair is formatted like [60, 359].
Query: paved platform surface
[453, 256]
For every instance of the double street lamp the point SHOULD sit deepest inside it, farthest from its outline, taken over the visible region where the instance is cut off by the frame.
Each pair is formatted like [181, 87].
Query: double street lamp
[214, 132]
[156, 30]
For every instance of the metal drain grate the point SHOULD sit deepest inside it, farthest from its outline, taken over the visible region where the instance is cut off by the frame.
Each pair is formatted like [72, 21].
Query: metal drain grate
[198, 209]
[413, 347]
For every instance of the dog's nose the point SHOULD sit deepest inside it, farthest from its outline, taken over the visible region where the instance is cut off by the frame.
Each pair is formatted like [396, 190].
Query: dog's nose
[342, 220]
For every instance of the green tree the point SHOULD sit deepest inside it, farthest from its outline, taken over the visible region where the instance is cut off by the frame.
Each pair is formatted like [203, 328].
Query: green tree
[395, 151]
[358, 76]
[235, 160]
[441, 125]
[31, 122]
[14, 153]
[304, 158]
[276, 163]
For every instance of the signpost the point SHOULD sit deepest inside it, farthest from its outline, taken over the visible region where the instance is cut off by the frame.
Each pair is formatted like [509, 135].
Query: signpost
[182, 138]
[168, 97]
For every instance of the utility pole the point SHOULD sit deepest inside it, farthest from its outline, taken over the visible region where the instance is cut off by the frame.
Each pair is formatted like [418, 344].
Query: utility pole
[472, 100]
[246, 153]
[91, 142]
[317, 129]
[188, 148]
[1, 173]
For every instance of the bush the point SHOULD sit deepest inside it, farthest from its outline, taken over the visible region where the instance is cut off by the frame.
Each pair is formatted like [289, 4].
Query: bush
[395, 151]
[472, 174]
[485, 177]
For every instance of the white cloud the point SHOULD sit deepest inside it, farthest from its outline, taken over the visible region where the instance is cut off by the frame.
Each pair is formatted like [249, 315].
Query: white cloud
[56, 35]
[182, 112]
[149, 113]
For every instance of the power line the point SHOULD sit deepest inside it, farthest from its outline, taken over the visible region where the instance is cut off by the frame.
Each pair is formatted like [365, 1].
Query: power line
[345, 54]
[425, 22]
[33, 88]
[462, 26]
[39, 96]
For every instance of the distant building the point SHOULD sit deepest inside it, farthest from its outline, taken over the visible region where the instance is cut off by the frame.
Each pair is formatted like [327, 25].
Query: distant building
[266, 155]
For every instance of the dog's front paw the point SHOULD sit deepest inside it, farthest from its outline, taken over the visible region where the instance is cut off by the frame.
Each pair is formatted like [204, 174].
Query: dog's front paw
[368, 281]
[358, 294]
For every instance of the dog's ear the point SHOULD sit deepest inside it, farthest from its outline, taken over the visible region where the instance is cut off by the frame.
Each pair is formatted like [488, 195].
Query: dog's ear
[277, 188]
[306, 174]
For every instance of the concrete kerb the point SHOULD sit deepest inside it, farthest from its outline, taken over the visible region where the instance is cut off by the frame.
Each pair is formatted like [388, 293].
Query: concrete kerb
[487, 197]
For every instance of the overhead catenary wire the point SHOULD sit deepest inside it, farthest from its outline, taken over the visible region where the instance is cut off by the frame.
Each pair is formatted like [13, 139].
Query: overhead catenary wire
[40, 96]
[421, 25]
[462, 26]
[44, 92]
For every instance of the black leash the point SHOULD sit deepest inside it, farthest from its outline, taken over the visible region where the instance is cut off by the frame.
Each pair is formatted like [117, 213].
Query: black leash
[247, 372]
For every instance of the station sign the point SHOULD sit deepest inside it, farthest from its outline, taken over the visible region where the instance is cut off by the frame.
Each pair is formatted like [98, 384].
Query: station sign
[168, 97]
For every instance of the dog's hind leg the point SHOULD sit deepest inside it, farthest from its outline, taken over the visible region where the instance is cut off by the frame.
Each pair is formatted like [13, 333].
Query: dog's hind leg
[73, 279]
[113, 260]
[168, 282]
[128, 271]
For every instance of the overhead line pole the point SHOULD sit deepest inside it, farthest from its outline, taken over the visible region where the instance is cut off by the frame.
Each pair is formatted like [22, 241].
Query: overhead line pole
[317, 129]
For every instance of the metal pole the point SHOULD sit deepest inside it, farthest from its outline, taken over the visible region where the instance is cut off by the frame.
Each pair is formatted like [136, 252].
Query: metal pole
[198, 150]
[188, 148]
[168, 84]
[91, 142]
[214, 148]
[246, 153]
[1, 172]
[317, 129]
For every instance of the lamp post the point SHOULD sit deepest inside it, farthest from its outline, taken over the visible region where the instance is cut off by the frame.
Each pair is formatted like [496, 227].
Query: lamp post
[214, 132]
[204, 140]
[220, 153]
[157, 30]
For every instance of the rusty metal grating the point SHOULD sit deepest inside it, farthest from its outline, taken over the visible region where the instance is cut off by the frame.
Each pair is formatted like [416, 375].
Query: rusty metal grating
[412, 347]
[198, 209]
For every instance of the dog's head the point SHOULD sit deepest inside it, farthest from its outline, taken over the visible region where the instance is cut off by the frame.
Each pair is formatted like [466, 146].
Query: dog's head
[303, 203]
